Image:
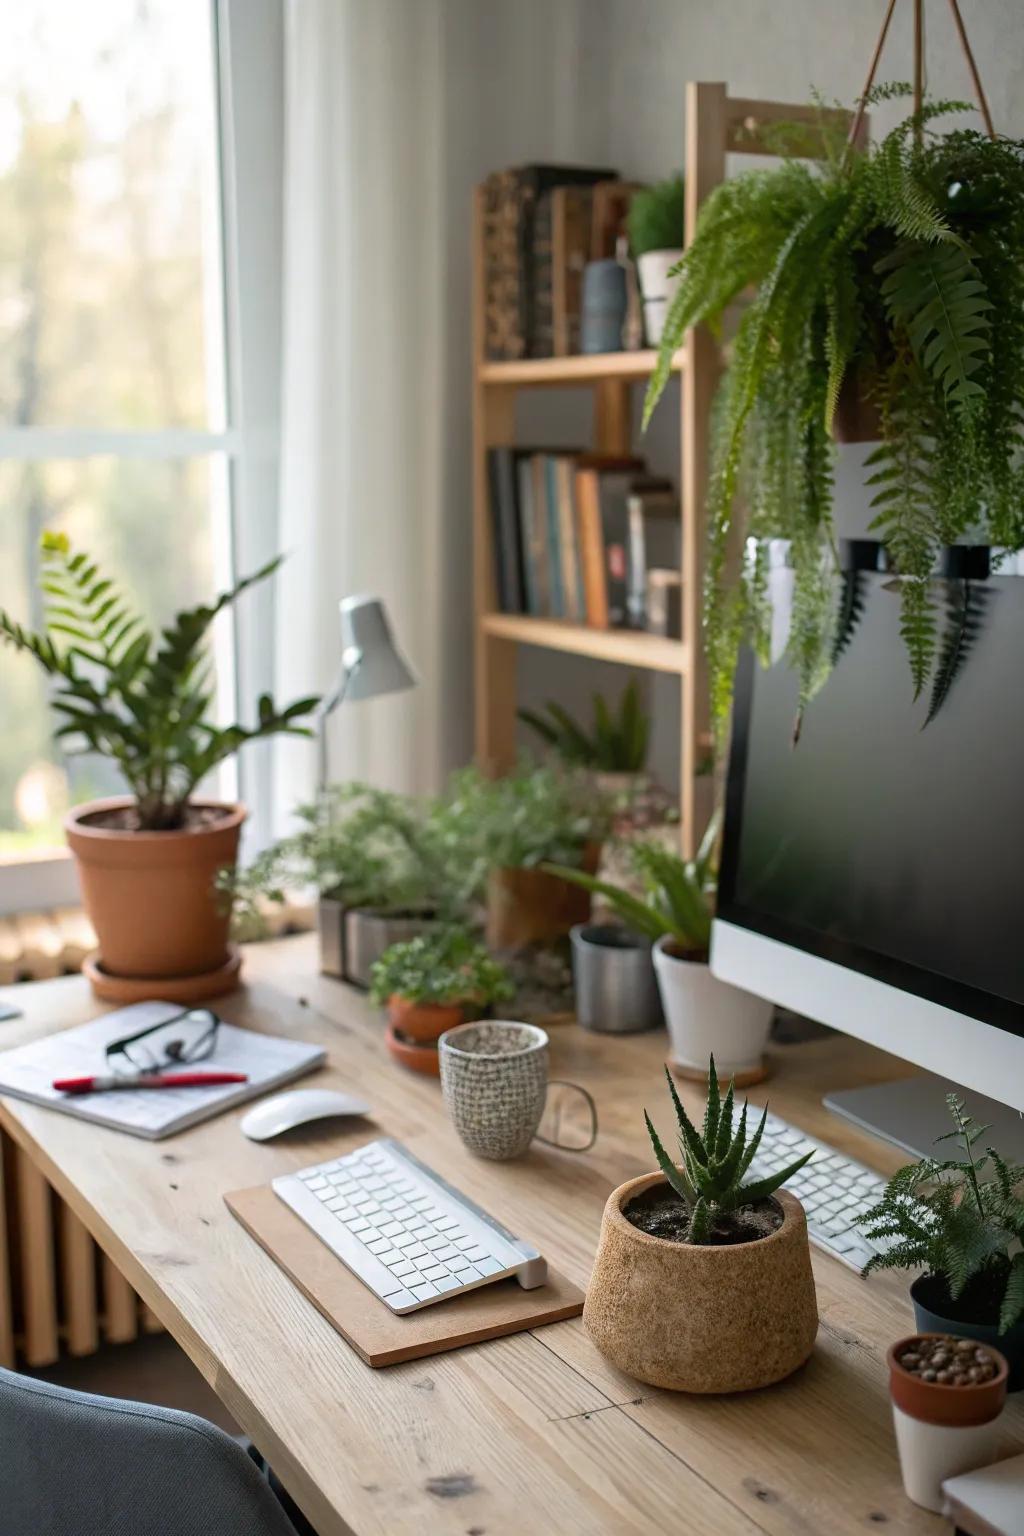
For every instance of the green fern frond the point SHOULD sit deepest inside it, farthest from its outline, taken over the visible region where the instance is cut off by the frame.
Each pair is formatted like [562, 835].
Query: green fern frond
[937, 293]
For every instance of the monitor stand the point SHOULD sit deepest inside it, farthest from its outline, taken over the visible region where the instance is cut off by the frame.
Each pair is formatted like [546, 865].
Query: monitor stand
[912, 1112]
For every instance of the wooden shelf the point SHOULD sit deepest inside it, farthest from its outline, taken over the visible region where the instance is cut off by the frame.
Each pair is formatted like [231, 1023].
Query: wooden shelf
[593, 368]
[626, 646]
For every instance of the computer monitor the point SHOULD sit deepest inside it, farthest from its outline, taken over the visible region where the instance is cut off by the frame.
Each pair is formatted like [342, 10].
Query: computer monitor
[873, 874]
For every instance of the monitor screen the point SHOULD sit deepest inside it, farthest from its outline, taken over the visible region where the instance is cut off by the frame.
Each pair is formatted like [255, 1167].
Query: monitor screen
[879, 841]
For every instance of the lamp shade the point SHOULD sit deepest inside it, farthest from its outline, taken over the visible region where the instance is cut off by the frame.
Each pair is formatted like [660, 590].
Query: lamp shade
[373, 663]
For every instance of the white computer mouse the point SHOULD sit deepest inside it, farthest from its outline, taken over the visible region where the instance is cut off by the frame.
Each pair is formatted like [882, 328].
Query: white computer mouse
[284, 1111]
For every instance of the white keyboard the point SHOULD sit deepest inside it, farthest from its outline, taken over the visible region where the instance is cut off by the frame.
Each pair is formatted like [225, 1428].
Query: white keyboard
[403, 1231]
[833, 1190]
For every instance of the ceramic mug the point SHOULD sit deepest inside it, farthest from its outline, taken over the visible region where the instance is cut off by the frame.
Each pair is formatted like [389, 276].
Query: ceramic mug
[494, 1077]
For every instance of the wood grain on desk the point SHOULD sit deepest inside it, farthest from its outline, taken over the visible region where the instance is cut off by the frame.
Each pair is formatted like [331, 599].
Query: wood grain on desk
[534, 1433]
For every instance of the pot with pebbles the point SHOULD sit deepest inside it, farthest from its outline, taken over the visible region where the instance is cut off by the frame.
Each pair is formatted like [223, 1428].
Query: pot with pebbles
[947, 1397]
[702, 1283]
[961, 1221]
[431, 984]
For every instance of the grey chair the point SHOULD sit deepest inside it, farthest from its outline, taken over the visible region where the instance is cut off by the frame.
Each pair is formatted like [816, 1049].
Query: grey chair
[72, 1464]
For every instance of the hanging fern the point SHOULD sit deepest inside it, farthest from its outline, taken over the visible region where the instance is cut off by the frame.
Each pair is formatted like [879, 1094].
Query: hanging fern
[899, 271]
[966, 603]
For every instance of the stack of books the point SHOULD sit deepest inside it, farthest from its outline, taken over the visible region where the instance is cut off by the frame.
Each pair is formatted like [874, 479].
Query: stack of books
[585, 537]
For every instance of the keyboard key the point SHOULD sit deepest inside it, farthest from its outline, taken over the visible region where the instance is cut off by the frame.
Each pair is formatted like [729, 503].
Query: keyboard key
[449, 1283]
[435, 1242]
[446, 1254]
[469, 1274]
[406, 1240]
[424, 1290]
[458, 1266]
[314, 1183]
[488, 1266]
[475, 1254]
[447, 1224]
[402, 1267]
[392, 1229]
[379, 1244]
[413, 1250]
[358, 1226]
[465, 1243]
[436, 1272]
[425, 1261]
[403, 1299]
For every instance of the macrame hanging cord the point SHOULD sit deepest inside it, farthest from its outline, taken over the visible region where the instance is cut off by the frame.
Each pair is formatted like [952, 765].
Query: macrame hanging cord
[961, 32]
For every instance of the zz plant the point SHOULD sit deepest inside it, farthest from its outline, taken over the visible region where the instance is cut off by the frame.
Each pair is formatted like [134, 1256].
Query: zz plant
[140, 699]
[960, 1219]
[895, 274]
[615, 743]
[715, 1161]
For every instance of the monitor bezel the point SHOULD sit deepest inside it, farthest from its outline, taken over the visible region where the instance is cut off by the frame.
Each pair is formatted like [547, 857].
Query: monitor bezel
[958, 997]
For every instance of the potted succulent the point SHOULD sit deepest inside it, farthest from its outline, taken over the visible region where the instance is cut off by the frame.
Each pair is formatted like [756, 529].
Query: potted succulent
[705, 1016]
[506, 829]
[889, 278]
[382, 868]
[702, 1282]
[147, 861]
[961, 1221]
[655, 225]
[432, 983]
[947, 1397]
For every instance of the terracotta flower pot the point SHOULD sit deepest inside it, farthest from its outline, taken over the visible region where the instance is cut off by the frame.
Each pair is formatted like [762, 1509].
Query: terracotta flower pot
[151, 898]
[423, 1022]
[418, 1058]
[529, 906]
[942, 1430]
[701, 1318]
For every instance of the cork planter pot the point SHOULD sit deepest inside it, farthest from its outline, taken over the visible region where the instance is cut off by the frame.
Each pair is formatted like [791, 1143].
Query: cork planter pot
[706, 1319]
[151, 897]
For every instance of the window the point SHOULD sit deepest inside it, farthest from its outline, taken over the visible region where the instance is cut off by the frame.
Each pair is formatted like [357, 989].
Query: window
[119, 418]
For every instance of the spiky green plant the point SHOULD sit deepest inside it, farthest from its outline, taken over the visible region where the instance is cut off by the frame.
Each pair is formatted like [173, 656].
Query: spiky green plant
[141, 700]
[960, 1219]
[895, 274]
[679, 894]
[616, 742]
[714, 1162]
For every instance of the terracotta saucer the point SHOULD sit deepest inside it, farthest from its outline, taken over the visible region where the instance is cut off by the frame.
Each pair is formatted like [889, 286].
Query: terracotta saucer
[170, 989]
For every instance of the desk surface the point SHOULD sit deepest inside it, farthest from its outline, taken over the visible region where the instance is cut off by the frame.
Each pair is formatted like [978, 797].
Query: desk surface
[530, 1433]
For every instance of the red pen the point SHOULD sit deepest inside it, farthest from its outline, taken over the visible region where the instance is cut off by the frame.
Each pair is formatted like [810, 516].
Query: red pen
[147, 1080]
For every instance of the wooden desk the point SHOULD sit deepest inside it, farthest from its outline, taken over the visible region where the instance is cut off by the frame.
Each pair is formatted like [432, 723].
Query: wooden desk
[534, 1433]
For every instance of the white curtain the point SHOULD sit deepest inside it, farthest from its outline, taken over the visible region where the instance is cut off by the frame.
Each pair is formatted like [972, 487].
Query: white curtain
[394, 109]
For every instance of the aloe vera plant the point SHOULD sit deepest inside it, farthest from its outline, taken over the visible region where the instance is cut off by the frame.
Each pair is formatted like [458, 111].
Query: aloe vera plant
[715, 1161]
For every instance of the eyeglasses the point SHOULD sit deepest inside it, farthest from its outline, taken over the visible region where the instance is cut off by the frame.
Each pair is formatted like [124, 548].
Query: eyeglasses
[185, 1037]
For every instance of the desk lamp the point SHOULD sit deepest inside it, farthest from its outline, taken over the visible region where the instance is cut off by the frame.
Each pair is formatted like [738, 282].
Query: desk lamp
[371, 665]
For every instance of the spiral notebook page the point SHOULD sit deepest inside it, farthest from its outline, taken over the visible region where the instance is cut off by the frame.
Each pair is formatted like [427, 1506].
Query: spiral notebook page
[269, 1061]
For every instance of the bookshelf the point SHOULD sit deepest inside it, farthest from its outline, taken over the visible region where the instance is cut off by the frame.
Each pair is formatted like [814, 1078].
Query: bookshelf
[715, 125]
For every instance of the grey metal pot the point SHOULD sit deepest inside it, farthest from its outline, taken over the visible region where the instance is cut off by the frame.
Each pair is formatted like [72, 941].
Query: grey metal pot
[352, 939]
[616, 990]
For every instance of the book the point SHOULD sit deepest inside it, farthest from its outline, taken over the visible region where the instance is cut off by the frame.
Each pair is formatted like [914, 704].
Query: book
[28, 1071]
[571, 218]
[524, 509]
[556, 588]
[602, 491]
[505, 530]
[540, 540]
[574, 601]
[654, 541]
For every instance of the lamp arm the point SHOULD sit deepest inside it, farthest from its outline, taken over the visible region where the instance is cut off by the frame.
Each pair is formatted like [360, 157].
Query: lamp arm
[350, 660]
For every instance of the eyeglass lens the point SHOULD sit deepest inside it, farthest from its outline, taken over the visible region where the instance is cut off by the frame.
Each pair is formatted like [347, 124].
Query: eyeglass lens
[188, 1036]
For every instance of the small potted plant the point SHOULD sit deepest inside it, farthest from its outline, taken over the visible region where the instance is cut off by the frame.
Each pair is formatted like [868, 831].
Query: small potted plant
[506, 829]
[961, 1221]
[147, 861]
[655, 224]
[705, 1016]
[430, 984]
[613, 748]
[947, 1397]
[702, 1282]
[381, 865]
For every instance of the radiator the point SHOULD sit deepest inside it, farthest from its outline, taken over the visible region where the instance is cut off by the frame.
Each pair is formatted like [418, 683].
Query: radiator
[58, 1292]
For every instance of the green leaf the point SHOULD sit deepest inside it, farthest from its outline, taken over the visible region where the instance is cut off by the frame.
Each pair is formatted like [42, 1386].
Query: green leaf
[712, 1108]
[1012, 1309]
[689, 1137]
[761, 1188]
[675, 1176]
[936, 291]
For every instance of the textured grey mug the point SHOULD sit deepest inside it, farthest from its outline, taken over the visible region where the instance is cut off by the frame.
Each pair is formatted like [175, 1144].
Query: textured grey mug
[494, 1077]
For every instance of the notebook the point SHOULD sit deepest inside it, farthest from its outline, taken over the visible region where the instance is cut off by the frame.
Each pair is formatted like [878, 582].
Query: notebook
[28, 1071]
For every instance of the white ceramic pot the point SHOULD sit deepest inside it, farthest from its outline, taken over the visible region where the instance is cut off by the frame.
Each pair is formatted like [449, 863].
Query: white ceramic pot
[657, 289]
[707, 1017]
[929, 1453]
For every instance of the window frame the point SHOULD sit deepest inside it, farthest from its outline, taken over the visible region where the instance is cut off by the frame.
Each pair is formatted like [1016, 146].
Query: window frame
[248, 74]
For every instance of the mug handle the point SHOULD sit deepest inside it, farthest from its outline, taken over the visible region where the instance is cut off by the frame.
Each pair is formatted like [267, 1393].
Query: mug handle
[562, 1082]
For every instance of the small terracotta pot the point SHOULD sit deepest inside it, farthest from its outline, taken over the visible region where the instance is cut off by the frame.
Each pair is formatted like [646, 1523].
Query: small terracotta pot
[418, 1058]
[423, 1023]
[529, 906]
[150, 895]
[701, 1318]
[942, 1430]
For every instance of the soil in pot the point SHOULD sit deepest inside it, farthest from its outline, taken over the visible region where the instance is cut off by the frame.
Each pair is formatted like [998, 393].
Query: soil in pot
[125, 818]
[660, 1212]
